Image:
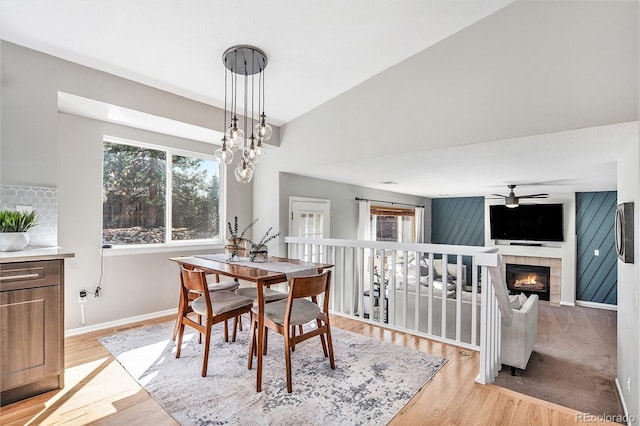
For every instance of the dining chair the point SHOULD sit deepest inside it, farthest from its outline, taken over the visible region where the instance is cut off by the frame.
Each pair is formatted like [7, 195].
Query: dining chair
[216, 285]
[300, 307]
[213, 306]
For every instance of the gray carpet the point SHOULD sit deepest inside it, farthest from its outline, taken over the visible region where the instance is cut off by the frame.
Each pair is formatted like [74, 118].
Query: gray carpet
[573, 361]
[372, 381]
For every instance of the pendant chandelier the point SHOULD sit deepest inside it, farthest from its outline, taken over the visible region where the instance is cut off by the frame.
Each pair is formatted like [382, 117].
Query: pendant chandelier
[245, 136]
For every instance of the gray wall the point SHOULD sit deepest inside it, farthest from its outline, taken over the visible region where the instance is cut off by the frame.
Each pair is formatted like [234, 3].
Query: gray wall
[344, 207]
[629, 285]
[42, 147]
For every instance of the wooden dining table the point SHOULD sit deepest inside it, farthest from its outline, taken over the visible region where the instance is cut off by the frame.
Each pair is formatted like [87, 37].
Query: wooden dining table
[253, 273]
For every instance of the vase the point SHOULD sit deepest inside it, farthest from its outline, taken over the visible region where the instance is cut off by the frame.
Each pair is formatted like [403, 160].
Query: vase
[235, 249]
[259, 254]
[13, 241]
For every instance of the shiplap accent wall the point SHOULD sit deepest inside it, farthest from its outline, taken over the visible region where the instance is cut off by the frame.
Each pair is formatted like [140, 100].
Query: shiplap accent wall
[458, 221]
[597, 276]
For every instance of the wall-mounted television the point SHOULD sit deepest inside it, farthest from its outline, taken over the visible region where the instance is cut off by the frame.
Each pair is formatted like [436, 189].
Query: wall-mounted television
[527, 222]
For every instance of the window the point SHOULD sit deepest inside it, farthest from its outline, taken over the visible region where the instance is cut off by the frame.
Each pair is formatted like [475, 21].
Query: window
[393, 224]
[155, 195]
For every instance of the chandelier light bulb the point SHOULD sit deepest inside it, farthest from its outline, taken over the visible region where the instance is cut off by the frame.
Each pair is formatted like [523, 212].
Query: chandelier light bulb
[263, 129]
[224, 155]
[260, 150]
[244, 171]
[252, 154]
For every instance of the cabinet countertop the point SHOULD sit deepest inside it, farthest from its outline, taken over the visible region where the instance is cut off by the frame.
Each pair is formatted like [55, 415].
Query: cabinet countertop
[32, 254]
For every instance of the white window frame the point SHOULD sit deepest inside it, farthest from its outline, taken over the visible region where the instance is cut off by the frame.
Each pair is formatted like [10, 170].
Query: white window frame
[171, 245]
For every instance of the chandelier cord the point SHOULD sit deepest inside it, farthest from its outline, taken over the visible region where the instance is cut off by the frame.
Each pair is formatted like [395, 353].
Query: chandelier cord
[252, 93]
[246, 88]
[224, 138]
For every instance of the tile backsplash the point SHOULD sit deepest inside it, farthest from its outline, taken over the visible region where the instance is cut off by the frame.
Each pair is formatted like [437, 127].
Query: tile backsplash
[44, 201]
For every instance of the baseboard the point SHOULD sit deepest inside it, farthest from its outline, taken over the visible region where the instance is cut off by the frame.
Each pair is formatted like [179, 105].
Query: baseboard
[622, 401]
[597, 305]
[119, 322]
[567, 304]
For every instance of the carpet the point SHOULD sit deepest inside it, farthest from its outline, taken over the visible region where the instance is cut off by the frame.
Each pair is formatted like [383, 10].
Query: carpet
[372, 381]
[573, 362]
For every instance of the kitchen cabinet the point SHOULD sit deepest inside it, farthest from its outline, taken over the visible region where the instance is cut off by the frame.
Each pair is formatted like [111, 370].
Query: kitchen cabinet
[31, 326]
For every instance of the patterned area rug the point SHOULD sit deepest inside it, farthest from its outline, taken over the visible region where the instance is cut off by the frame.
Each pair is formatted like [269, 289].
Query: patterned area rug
[372, 381]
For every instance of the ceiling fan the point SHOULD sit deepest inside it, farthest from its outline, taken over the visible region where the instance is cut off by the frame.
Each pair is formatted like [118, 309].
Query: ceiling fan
[513, 201]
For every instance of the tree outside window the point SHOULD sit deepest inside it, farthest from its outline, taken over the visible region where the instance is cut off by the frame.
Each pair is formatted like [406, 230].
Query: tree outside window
[140, 183]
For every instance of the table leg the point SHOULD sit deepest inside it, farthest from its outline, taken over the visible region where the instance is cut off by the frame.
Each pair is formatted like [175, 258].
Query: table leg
[260, 347]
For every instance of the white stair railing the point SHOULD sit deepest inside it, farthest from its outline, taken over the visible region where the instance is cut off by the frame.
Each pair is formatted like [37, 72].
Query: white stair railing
[376, 282]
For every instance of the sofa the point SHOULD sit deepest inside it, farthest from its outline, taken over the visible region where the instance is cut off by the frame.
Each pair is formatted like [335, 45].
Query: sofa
[519, 337]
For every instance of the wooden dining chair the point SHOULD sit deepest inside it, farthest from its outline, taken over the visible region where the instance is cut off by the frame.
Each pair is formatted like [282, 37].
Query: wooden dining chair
[300, 307]
[216, 285]
[212, 306]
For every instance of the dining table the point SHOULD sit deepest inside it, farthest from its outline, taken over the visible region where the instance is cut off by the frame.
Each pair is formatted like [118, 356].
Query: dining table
[275, 270]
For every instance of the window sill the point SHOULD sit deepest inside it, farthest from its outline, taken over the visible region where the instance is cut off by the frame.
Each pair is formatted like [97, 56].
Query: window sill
[160, 248]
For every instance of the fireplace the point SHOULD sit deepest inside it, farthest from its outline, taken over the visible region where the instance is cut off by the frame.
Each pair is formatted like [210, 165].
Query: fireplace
[529, 279]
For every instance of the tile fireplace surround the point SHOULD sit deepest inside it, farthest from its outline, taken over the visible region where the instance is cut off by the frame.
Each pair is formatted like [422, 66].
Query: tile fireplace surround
[555, 274]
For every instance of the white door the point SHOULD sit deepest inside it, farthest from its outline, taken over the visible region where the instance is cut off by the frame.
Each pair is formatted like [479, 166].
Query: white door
[310, 218]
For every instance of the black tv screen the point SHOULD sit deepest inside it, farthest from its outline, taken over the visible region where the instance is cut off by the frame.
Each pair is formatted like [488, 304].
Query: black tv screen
[531, 222]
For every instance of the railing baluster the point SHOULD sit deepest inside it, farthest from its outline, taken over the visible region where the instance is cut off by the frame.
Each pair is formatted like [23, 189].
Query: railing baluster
[458, 297]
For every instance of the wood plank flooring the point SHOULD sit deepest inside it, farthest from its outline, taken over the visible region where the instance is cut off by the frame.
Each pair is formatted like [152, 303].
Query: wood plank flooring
[99, 391]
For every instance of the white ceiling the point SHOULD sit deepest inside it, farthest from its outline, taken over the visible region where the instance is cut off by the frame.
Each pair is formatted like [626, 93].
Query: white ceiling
[316, 51]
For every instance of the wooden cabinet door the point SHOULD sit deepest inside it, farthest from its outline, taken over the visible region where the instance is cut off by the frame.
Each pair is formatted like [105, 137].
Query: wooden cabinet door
[31, 345]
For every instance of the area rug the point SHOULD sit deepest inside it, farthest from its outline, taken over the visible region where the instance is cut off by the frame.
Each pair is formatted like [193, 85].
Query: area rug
[372, 380]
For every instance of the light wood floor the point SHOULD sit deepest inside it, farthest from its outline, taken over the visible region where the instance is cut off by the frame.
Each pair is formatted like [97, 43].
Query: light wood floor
[99, 391]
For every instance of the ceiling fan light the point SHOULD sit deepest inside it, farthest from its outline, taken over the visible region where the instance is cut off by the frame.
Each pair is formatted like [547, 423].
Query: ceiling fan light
[512, 204]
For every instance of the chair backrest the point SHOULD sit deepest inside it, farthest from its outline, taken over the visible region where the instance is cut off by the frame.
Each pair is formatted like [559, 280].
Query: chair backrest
[311, 286]
[194, 279]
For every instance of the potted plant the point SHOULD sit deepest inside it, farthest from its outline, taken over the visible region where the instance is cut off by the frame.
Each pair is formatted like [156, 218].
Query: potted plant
[13, 229]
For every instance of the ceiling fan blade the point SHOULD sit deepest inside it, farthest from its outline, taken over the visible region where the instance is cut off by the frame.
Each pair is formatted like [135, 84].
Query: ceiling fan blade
[534, 196]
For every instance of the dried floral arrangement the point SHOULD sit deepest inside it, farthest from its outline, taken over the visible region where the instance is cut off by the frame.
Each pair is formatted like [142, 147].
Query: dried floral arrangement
[265, 239]
[233, 230]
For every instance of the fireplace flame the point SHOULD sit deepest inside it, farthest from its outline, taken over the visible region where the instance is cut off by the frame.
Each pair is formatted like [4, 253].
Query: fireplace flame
[529, 280]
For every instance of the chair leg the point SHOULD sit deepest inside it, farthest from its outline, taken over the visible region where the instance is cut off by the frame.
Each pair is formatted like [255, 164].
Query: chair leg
[240, 322]
[287, 357]
[324, 345]
[235, 327]
[252, 341]
[293, 334]
[226, 331]
[332, 360]
[205, 358]
[177, 326]
[180, 333]
[199, 334]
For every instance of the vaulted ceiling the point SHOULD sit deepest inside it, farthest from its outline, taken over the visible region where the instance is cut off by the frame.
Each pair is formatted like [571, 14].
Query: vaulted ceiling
[444, 97]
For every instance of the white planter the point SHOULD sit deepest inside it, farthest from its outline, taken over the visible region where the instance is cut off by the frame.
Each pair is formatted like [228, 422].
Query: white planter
[12, 241]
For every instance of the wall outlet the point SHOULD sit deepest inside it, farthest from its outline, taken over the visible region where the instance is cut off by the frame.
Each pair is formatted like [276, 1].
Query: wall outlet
[596, 252]
[82, 296]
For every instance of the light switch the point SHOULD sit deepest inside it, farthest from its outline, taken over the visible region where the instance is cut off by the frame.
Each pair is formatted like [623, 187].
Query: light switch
[596, 252]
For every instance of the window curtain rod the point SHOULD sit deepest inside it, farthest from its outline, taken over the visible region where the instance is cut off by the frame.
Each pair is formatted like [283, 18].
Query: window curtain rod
[389, 202]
